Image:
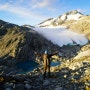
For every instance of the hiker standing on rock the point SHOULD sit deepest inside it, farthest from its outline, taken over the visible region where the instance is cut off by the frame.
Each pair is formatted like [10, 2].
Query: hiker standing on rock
[46, 62]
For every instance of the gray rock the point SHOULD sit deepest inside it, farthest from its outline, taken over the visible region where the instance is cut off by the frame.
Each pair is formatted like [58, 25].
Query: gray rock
[87, 71]
[14, 86]
[65, 76]
[20, 87]
[26, 82]
[28, 86]
[8, 88]
[8, 85]
[46, 82]
[59, 88]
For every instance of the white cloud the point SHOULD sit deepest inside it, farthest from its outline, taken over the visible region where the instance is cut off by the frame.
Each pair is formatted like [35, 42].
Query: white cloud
[47, 4]
[18, 7]
[4, 7]
[21, 11]
[31, 9]
[62, 36]
[83, 10]
[43, 3]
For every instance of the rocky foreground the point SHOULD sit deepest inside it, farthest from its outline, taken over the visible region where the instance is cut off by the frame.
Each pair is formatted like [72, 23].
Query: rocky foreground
[70, 75]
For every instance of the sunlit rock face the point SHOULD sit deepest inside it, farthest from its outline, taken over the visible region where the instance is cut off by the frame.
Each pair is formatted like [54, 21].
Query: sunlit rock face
[18, 43]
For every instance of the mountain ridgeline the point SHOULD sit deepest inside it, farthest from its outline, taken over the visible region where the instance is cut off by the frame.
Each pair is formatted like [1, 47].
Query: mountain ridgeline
[72, 20]
[18, 43]
[72, 15]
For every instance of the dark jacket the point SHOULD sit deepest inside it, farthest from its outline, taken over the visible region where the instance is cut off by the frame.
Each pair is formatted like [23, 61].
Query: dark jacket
[46, 59]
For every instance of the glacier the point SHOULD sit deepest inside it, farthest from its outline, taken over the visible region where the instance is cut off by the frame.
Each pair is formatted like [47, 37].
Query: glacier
[61, 36]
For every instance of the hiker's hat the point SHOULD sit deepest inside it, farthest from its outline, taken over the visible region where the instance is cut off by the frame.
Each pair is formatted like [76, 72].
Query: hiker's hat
[45, 52]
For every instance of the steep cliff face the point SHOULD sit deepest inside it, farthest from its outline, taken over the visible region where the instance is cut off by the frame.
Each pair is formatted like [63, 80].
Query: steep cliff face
[19, 43]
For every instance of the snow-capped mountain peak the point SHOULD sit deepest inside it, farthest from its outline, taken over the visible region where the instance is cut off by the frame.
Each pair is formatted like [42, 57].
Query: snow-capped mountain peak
[46, 22]
[72, 15]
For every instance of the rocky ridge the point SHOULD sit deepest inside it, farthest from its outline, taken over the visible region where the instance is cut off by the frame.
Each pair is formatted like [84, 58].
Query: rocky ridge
[66, 17]
[18, 43]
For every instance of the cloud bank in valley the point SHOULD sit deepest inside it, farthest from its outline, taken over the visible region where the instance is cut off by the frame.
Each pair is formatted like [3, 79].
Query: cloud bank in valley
[62, 36]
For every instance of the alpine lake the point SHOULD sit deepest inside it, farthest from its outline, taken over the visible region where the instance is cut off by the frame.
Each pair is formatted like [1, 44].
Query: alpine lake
[30, 65]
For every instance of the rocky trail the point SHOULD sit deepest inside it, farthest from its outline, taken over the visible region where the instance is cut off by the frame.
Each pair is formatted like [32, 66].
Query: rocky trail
[62, 78]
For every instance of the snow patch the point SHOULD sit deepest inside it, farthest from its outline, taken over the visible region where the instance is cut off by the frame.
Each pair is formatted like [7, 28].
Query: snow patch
[74, 16]
[63, 17]
[46, 23]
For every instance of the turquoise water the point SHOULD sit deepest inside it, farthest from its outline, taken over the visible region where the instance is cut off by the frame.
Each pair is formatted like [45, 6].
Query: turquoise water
[26, 66]
[30, 65]
[55, 63]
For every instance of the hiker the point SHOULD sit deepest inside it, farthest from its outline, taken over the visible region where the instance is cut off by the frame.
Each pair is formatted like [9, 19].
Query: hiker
[46, 62]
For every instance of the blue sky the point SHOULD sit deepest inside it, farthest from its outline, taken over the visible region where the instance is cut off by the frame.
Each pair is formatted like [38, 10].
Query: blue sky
[35, 11]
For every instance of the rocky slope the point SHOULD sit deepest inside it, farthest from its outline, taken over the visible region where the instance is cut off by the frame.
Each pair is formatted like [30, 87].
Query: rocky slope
[82, 26]
[70, 75]
[19, 43]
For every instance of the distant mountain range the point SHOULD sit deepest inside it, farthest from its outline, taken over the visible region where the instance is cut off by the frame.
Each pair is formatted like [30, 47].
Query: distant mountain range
[73, 20]
[72, 15]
